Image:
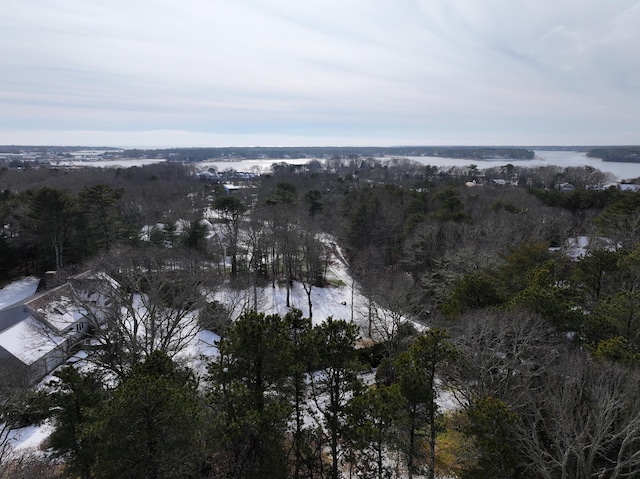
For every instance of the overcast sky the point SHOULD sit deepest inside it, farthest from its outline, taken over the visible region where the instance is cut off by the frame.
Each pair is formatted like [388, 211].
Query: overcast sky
[319, 72]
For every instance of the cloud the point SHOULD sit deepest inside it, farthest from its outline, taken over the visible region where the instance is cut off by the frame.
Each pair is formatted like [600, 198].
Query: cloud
[370, 69]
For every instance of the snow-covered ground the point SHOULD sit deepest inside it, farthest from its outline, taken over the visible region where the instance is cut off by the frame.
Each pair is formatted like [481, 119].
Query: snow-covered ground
[30, 438]
[332, 301]
[341, 300]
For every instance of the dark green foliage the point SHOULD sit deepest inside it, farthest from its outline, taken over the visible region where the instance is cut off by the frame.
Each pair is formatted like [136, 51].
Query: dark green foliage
[313, 198]
[538, 408]
[619, 220]
[579, 199]
[372, 430]
[231, 211]
[616, 350]
[194, 235]
[479, 255]
[50, 222]
[151, 427]
[277, 152]
[230, 207]
[364, 216]
[372, 355]
[545, 295]
[259, 393]
[285, 193]
[9, 257]
[619, 316]
[451, 206]
[215, 317]
[378, 219]
[492, 425]
[473, 291]
[520, 260]
[620, 153]
[416, 371]
[594, 275]
[73, 399]
[157, 236]
[300, 332]
[336, 380]
[499, 205]
[250, 392]
[9, 251]
[99, 207]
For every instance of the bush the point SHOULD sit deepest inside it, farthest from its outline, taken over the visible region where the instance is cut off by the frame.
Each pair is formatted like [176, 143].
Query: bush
[215, 317]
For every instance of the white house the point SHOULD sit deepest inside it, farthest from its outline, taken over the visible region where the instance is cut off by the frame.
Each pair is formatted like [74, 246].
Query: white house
[39, 332]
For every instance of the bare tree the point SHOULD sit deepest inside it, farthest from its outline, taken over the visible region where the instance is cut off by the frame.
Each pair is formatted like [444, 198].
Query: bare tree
[312, 265]
[30, 465]
[583, 423]
[574, 418]
[230, 212]
[501, 354]
[255, 237]
[141, 300]
[396, 304]
[15, 398]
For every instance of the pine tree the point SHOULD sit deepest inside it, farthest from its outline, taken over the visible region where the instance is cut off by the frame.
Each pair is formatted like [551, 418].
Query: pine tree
[152, 426]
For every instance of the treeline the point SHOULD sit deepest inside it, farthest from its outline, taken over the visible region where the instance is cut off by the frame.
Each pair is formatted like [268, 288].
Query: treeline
[627, 154]
[55, 218]
[201, 154]
[50, 149]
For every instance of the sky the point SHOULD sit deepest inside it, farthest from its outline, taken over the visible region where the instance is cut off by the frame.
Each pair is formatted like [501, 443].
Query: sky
[168, 73]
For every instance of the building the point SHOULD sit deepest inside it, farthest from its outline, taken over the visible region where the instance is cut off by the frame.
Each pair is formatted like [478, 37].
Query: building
[41, 331]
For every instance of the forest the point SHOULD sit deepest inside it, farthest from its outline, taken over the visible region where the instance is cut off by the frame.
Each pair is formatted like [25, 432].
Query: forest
[477, 293]
[200, 154]
[629, 154]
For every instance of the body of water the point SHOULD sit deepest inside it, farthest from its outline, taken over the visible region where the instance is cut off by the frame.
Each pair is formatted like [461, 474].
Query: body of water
[620, 171]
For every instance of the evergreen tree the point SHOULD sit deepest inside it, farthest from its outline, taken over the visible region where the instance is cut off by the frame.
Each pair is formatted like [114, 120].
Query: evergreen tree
[417, 371]
[250, 392]
[152, 426]
[194, 235]
[492, 425]
[50, 221]
[72, 398]
[372, 429]
[300, 335]
[335, 381]
[99, 207]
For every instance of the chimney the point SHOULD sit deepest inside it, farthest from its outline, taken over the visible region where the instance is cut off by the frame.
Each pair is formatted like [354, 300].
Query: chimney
[51, 279]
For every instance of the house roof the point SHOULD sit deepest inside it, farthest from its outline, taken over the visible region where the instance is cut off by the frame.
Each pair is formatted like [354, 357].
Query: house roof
[26, 341]
[56, 307]
[18, 291]
[36, 320]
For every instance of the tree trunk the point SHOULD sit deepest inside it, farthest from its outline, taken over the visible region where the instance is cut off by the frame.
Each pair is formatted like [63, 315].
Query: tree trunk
[307, 289]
